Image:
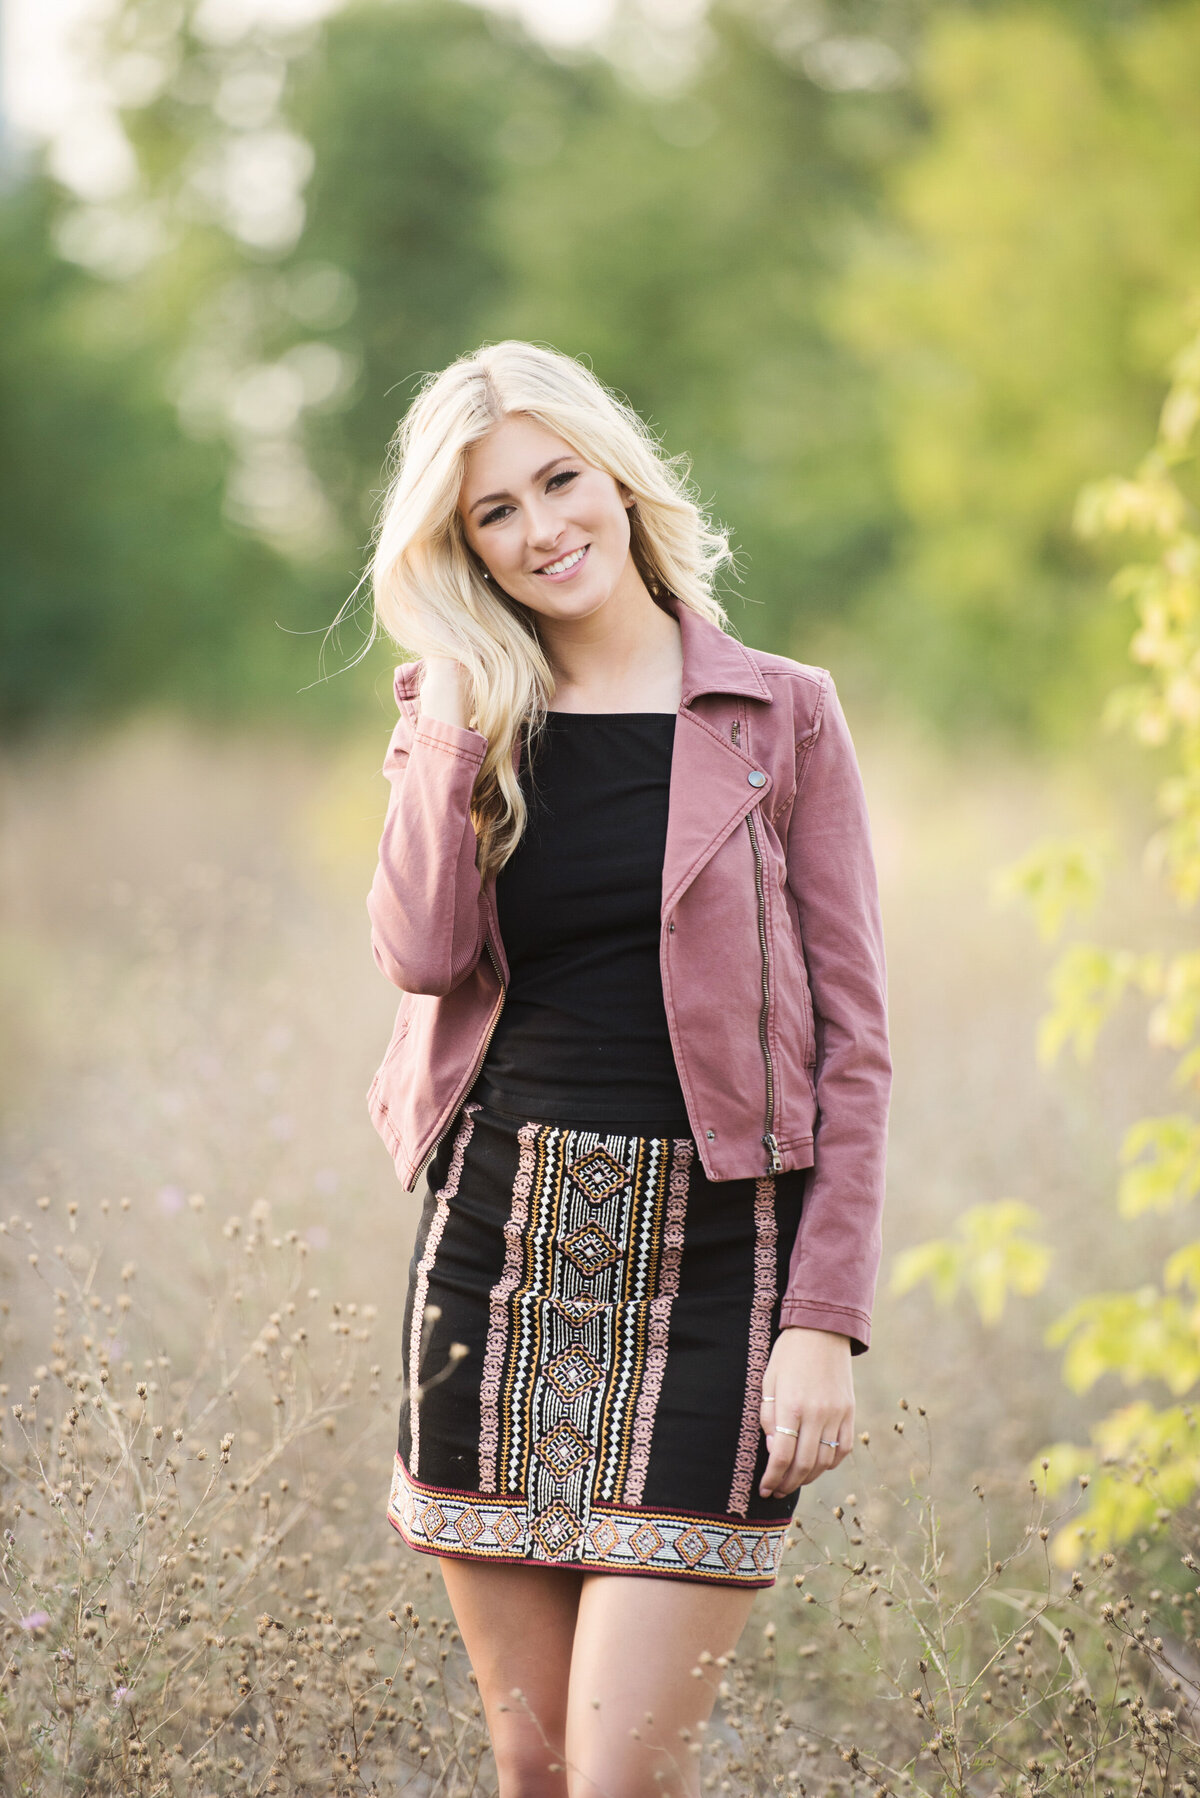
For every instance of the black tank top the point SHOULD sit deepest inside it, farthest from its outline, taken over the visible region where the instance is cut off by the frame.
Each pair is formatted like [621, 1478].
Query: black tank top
[583, 1036]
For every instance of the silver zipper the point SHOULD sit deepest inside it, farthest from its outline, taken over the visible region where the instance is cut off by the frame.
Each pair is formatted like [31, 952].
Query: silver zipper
[770, 1143]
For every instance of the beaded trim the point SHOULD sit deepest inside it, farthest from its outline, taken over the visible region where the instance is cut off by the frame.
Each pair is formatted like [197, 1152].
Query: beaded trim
[762, 1305]
[660, 1320]
[615, 1539]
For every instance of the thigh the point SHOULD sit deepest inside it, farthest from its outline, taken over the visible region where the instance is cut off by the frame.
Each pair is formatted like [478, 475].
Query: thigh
[615, 1691]
[517, 1625]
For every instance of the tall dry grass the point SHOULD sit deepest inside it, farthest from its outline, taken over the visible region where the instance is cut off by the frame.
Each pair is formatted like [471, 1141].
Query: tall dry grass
[202, 1270]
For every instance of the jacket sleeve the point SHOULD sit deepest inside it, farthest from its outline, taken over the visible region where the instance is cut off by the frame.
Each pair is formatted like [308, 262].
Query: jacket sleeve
[831, 873]
[426, 902]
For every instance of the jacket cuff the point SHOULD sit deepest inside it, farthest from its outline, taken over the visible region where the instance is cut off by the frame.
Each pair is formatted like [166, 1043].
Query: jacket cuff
[451, 739]
[804, 1314]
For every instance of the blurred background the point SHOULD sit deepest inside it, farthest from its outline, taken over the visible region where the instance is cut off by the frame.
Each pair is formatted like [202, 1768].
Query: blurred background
[899, 276]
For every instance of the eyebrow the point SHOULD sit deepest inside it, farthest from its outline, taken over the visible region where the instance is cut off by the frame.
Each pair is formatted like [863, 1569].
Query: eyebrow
[538, 473]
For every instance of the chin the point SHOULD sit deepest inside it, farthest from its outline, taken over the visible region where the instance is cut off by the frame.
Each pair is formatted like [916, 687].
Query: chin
[570, 605]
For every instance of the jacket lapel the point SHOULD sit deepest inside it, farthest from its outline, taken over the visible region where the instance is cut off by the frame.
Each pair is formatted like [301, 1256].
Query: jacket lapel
[710, 791]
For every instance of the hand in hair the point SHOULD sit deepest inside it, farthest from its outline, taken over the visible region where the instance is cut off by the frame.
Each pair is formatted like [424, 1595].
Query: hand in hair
[444, 690]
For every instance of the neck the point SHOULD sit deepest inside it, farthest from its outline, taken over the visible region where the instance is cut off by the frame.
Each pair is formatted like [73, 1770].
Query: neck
[627, 656]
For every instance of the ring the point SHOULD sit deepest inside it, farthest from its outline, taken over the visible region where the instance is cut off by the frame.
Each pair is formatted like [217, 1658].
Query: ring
[768, 1398]
[781, 1429]
[826, 1444]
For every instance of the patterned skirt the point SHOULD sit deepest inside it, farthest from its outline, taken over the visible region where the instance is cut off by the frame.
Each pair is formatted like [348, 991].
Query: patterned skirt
[587, 1325]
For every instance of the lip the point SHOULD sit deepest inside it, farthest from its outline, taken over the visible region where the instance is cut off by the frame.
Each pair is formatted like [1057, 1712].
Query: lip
[567, 573]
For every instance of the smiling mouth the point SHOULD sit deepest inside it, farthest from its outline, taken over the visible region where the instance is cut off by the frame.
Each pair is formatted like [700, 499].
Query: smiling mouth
[564, 563]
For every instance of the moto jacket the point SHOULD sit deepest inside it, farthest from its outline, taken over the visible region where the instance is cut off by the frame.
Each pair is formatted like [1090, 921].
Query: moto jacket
[771, 950]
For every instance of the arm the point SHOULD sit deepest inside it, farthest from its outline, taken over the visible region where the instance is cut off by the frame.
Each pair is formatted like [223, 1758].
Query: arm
[426, 901]
[826, 1310]
[831, 874]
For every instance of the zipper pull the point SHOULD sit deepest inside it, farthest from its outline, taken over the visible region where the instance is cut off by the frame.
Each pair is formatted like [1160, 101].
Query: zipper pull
[735, 730]
[774, 1157]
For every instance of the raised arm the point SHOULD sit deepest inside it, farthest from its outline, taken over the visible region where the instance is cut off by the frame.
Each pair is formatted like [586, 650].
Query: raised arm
[426, 902]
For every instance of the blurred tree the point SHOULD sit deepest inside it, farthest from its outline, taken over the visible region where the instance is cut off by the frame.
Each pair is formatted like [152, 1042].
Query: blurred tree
[1016, 308]
[1143, 1461]
[118, 582]
[687, 243]
[418, 115]
[893, 322]
[467, 186]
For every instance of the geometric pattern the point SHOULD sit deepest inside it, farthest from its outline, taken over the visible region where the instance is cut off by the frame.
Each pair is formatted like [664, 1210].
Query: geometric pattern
[598, 1175]
[563, 1449]
[579, 1309]
[618, 1539]
[573, 1372]
[591, 1250]
[556, 1530]
[759, 1347]
[578, 1339]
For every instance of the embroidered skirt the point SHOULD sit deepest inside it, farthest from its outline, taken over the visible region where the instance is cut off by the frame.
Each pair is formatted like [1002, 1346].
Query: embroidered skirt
[616, 1309]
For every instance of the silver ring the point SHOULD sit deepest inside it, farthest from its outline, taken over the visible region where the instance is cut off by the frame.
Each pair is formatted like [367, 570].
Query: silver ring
[826, 1444]
[768, 1398]
[781, 1429]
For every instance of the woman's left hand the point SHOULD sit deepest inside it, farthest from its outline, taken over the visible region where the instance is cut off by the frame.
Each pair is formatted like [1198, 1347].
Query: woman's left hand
[808, 1388]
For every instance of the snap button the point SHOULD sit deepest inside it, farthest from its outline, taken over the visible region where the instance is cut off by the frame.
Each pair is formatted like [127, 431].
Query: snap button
[671, 926]
[757, 778]
[711, 1135]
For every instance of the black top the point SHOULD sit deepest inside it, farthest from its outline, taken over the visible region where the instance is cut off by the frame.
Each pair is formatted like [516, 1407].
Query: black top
[582, 1036]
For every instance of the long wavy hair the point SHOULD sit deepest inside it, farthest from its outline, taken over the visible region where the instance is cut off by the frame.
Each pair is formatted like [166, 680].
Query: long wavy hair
[429, 592]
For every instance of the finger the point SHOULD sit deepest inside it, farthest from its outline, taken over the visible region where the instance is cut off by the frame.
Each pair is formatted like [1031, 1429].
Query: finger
[781, 1445]
[825, 1456]
[766, 1411]
[845, 1438]
[807, 1463]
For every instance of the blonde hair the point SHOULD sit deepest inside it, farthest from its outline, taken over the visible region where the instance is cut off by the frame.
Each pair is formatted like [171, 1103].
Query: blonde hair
[430, 594]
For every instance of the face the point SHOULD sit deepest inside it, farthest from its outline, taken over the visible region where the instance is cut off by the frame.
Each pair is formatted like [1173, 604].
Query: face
[550, 528]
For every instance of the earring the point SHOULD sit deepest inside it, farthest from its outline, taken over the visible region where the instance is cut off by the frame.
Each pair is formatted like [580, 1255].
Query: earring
[486, 575]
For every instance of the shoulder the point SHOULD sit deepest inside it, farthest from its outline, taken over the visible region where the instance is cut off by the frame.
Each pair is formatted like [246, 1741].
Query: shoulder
[804, 687]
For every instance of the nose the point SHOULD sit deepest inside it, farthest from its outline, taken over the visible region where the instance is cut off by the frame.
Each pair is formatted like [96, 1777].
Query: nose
[543, 530]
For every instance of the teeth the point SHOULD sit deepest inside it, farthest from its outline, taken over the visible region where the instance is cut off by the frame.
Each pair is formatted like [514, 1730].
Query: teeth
[567, 562]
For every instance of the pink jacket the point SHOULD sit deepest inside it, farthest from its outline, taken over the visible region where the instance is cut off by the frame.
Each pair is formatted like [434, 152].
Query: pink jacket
[771, 951]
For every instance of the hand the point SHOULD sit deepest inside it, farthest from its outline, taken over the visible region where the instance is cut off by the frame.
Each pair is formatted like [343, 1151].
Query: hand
[444, 690]
[808, 1387]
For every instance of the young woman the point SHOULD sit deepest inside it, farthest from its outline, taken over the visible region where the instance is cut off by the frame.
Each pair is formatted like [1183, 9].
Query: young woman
[626, 888]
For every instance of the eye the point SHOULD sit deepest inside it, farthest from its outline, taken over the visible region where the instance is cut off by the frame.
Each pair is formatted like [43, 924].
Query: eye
[564, 475]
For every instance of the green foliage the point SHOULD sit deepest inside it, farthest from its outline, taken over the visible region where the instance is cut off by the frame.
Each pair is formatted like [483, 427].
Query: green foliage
[118, 582]
[1055, 879]
[1087, 984]
[1018, 302]
[992, 1256]
[1140, 1335]
[1170, 1177]
[894, 328]
[1150, 1333]
[1157, 1451]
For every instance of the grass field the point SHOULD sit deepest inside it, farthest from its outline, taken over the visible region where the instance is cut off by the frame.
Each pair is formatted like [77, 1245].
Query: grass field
[205, 1236]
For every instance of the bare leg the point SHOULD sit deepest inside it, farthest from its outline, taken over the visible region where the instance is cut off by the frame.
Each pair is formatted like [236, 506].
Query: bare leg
[636, 1642]
[517, 1625]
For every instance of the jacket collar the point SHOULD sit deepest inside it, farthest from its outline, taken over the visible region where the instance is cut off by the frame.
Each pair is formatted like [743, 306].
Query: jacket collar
[713, 661]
